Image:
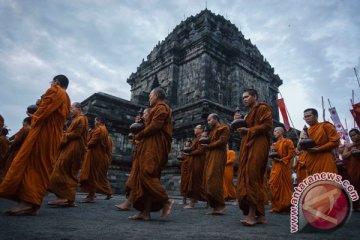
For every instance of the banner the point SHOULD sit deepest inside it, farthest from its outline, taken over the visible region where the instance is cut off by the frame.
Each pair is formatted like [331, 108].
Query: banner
[356, 113]
[339, 127]
[284, 115]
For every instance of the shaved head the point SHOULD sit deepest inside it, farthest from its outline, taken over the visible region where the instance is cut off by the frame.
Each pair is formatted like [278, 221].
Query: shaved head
[280, 129]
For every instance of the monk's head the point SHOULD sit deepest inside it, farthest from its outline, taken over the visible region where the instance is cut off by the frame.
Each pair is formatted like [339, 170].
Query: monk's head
[156, 95]
[60, 80]
[311, 116]
[4, 131]
[75, 109]
[213, 120]
[99, 120]
[278, 132]
[250, 97]
[27, 122]
[198, 129]
[354, 135]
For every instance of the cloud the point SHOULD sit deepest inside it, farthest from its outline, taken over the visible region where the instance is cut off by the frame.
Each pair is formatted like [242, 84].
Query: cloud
[313, 46]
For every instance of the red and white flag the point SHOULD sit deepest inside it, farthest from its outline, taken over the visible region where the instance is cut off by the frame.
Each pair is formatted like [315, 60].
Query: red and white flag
[339, 127]
[284, 115]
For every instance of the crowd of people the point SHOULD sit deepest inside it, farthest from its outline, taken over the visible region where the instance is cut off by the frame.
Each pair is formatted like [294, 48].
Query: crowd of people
[46, 157]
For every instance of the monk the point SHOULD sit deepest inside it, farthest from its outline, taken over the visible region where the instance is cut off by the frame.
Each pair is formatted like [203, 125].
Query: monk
[19, 139]
[64, 179]
[229, 188]
[299, 165]
[196, 160]
[93, 177]
[254, 149]
[320, 158]
[2, 121]
[4, 148]
[148, 193]
[353, 165]
[215, 164]
[185, 172]
[281, 186]
[28, 176]
[127, 204]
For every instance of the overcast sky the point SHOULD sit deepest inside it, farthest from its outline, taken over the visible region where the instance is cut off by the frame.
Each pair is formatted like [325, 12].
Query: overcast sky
[313, 46]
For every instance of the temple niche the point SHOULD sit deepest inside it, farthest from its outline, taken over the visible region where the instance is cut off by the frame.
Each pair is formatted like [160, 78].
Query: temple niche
[204, 64]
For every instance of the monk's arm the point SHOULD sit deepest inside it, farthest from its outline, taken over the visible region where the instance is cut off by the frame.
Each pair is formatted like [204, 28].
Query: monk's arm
[333, 136]
[290, 152]
[230, 157]
[19, 138]
[50, 101]
[76, 132]
[198, 150]
[95, 138]
[156, 124]
[266, 122]
[223, 139]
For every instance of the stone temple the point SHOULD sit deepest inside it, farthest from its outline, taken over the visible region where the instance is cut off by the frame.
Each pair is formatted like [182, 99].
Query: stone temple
[204, 64]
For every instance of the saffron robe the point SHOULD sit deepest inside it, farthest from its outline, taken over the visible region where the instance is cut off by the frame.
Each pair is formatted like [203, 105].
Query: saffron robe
[326, 139]
[229, 188]
[281, 186]
[254, 150]
[196, 161]
[156, 140]
[215, 165]
[93, 176]
[64, 179]
[15, 146]
[353, 171]
[29, 174]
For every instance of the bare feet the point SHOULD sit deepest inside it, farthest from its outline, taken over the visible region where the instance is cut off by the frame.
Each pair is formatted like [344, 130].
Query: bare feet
[87, 200]
[248, 221]
[58, 201]
[125, 206]
[108, 197]
[189, 206]
[140, 216]
[217, 211]
[261, 220]
[22, 209]
[166, 211]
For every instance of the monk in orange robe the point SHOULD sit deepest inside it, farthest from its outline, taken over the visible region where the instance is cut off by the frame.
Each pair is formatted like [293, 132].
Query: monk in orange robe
[1, 122]
[281, 186]
[149, 195]
[15, 145]
[254, 150]
[64, 179]
[28, 176]
[127, 204]
[215, 164]
[353, 165]
[196, 160]
[185, 172]
[4, 148]
[320, 158]
[93, 177]
[229, 188]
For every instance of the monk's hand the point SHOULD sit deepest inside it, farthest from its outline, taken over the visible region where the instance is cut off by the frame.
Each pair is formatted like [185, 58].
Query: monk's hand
[242, 130]
[136, 141]
[138, 119]
[277, 159]
[313, 150]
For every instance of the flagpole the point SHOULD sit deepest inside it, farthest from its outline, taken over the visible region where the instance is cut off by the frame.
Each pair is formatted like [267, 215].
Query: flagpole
[323, 108]
[289, 116]
[357, 78]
